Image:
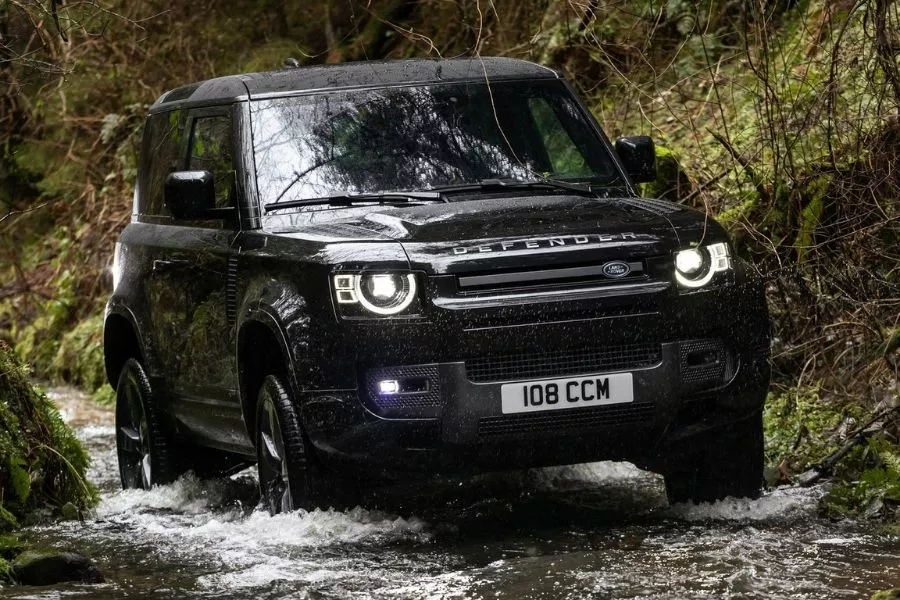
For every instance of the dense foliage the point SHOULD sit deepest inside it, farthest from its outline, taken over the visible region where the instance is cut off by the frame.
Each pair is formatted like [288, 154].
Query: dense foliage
[42, 463]
[781, 118]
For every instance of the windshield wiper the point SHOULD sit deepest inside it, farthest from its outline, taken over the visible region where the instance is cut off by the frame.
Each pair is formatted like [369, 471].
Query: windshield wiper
[350, 199]
[490, 185]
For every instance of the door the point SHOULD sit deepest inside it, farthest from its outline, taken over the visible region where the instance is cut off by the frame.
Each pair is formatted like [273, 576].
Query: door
[188, 304]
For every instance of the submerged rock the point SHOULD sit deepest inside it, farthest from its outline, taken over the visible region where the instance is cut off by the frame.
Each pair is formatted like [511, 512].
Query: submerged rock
[893, 594]
[48, 568]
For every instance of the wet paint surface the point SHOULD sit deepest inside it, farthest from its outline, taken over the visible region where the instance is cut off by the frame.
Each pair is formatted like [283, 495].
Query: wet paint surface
[602, 530]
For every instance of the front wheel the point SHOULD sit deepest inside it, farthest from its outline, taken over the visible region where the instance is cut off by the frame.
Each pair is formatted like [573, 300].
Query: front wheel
[289, 477]
[716, 465]
[144, 448]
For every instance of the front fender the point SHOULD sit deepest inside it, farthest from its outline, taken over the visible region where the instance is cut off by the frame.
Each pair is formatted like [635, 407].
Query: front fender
[284, 311]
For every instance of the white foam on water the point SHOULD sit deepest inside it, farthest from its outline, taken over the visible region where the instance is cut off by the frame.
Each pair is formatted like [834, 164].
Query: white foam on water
[786, 502]
[97, 431]
[445, 586]
[260, 549]
[255, 549]
[188, 495]
[318, 528]
[841, 541]
[603, 472]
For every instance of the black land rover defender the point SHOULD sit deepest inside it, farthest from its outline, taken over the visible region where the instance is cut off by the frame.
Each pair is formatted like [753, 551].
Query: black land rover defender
[419, 268]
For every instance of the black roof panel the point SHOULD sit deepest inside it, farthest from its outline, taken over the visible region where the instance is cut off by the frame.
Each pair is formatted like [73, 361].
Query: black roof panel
[352, 74]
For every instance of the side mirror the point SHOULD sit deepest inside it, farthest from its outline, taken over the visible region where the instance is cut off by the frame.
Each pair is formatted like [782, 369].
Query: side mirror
[191, 195]
[639, 157]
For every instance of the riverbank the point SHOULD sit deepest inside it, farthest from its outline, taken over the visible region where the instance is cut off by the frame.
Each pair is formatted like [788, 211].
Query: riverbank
[43, 469]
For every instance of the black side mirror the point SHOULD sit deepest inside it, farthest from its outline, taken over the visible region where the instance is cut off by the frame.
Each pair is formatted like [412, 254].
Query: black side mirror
[191, 195]
[639, 157]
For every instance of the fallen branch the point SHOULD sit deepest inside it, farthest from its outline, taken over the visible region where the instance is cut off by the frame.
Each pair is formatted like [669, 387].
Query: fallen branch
[12, 213]
[857, 438]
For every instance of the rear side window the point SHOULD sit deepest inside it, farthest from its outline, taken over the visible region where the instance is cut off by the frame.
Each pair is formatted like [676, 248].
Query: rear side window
[161, 149]
[211, 151]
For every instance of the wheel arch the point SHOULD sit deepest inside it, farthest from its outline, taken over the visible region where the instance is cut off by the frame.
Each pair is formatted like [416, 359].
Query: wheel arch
[120, 343]
[261, 348]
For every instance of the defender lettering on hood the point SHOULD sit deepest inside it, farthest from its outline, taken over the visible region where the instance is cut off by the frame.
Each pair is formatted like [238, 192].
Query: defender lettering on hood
[550, 242]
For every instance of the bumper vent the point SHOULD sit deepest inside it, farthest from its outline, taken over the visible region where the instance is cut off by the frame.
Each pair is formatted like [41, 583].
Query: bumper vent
[561, 363]
[705, 364]
[427, 396]
[565, 420]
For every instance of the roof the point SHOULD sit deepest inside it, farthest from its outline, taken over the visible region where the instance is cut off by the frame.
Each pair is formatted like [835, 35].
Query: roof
[301, 80]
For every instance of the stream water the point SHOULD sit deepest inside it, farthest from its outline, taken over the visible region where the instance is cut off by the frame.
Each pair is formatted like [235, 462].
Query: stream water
[602, 530]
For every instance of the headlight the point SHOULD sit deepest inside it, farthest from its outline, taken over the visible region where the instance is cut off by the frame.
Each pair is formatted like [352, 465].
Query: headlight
[696, 267]
[382, 294]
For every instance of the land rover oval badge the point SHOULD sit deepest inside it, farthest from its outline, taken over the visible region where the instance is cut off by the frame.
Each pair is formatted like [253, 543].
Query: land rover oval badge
[616, 269]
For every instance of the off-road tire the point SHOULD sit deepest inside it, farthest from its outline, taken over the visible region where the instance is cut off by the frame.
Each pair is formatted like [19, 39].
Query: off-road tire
[144, 447]
[293, 480]
[718, 464]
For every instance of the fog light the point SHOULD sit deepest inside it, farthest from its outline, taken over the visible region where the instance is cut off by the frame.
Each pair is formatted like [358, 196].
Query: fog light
[388, 386]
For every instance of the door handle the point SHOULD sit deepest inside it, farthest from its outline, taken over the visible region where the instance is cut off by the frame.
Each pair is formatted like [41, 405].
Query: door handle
[168, 265]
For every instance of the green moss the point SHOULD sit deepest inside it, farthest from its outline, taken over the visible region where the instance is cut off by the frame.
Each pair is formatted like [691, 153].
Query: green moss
[868, 482]
[6, 572]
[42, 463]
[271, 55]
[729, 218]
[79, 357]
[105, 395]
[800, 428]
[811, 215]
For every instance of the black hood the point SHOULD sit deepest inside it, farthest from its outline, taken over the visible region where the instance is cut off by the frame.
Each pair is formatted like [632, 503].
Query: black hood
[508, 232]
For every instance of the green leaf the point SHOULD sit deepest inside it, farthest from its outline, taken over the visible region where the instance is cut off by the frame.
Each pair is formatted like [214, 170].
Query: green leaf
[19, 478]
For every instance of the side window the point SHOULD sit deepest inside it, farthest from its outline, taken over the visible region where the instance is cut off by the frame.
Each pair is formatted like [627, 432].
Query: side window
[161, 151]
[211, 151]
[566, 159]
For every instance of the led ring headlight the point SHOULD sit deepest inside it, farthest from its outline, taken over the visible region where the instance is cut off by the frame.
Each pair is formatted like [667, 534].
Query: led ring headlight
[382, 294]
[695, 268]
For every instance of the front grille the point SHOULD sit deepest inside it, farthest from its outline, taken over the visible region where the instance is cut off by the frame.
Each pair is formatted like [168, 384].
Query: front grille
[705, 364]
[391, 403]
[565, 420]
[562, 363]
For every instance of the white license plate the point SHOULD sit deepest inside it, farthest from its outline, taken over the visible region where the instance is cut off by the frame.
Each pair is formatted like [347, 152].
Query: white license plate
[570, 392]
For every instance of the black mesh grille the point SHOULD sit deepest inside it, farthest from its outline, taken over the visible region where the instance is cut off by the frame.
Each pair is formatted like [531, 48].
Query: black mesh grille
[705, 364]
[429, 398]
[565, 420]
[561, 363]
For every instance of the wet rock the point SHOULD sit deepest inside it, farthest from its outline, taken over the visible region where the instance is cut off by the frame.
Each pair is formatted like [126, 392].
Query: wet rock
[48, 568]
[69, 512]
[893, 594]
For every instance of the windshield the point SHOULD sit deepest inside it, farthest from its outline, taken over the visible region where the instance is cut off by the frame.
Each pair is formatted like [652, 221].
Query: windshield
[422, 138]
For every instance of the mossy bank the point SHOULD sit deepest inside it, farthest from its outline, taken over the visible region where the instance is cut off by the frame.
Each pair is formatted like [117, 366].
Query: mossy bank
[42, 463]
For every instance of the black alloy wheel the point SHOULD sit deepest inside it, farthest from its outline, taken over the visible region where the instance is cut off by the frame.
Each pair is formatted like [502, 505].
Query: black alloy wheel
[144, 449]
[289, 477]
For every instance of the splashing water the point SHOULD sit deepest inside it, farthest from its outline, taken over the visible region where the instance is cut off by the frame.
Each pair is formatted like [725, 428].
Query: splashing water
[599, 530]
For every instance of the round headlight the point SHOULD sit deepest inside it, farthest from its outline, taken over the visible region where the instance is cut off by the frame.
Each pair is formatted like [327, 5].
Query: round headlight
[385, 293]
[695, 267]
[689, 261]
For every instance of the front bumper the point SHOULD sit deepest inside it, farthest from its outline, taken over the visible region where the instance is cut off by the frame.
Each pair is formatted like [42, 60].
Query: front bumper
[698, 362]
[459, 427]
